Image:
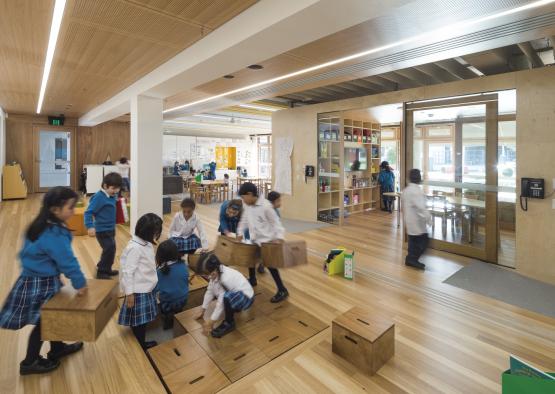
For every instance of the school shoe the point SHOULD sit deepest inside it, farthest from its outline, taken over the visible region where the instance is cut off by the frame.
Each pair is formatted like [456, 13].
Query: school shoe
[149, 344]
[102, 275]
[168, 322]
[261, 269]
[112, 272]
[223, 329]
[65, 351]
[40, 365]
[281, 295]
[253, 282]
[416, 264]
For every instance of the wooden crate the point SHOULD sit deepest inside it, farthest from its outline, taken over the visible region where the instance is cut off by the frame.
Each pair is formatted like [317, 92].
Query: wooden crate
[67, 317]
[364, 339]
[76, 223]
[175, 354]
[302, 323]
[233, 252]
[201, 376]
[192, 260]
[185, 322]
[284, 255]
[197, 289]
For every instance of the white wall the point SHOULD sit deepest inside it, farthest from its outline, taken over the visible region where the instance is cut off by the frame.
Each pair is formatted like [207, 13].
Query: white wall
[2, 145]
[201, 150]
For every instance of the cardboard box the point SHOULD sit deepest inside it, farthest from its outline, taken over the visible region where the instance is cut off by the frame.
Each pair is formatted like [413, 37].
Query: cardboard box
[284, 255]
[363, 339]
[67, 317]
[233, 252]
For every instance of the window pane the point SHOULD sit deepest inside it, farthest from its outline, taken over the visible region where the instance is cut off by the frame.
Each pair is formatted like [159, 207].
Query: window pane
[439, 131]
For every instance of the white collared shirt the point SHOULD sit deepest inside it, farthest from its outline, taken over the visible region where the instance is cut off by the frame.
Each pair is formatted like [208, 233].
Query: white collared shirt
[230, 280]
[181, 227]
[123, 169]
[415, 212]
[138, 267]
[262, 222]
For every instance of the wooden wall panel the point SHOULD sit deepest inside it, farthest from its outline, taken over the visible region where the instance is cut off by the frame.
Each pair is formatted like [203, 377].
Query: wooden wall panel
[95, 143]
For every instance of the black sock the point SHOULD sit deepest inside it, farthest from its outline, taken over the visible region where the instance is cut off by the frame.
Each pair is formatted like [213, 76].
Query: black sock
[140, 334]
[33, 346]
[277, 279]
[252, 275]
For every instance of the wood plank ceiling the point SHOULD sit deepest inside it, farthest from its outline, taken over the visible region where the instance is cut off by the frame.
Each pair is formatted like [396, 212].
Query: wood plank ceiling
[104, 46]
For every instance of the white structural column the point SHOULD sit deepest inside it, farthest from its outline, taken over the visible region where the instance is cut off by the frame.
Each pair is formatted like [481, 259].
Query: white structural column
[146, 157]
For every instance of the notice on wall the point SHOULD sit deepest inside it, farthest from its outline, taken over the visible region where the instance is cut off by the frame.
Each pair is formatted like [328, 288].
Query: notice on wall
[283, 149]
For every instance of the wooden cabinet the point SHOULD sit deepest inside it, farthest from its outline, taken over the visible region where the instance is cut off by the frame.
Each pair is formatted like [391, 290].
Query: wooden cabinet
[13, 183]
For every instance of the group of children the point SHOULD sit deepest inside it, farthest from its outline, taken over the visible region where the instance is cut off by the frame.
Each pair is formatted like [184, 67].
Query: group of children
[145, 274]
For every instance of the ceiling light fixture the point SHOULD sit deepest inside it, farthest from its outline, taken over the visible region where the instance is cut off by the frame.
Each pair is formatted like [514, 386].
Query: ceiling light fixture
[52, 39]
[229, 76]
[255, 67]
[439, 32]
[259, 107]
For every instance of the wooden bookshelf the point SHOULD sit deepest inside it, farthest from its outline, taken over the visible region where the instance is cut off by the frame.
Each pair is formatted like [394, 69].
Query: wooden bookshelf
[342, 192]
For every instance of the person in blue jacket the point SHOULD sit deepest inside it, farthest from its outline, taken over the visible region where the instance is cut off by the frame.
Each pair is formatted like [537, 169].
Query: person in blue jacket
[386, 179]
[230, 214]
[100, 221]
[173, 281]
[46, 254]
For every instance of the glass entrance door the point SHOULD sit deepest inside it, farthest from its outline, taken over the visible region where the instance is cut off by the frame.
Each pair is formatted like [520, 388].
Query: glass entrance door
[54, 151]
[454, 143]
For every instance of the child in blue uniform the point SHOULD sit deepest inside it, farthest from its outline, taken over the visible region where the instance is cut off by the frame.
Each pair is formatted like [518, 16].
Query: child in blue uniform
[230, 214]
[45, 255]
[386, 179]
[138, 278]
[173, 281]
[100, 220]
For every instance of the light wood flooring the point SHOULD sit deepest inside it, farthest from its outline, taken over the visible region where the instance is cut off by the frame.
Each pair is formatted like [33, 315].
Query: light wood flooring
[447, 340]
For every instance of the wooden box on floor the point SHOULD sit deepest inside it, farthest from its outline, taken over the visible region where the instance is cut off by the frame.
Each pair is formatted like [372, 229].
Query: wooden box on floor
[175, 354]
[68, 317]
[201, 376]
[365, 340]
[192, 261]
[284, 255]
[197, 288]
[76, 223]
[233, 252]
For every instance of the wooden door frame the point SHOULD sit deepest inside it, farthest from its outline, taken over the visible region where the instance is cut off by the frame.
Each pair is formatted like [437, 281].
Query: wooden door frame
[490, 251]
[36, 154]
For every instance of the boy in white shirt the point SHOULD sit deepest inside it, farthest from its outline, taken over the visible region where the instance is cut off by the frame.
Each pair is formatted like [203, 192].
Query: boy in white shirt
[183, 226]
[263, 223]
[229, 288]
[123, 167]
[416, 217]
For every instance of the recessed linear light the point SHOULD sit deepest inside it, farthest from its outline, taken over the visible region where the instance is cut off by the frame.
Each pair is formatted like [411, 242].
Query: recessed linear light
[52, 39]
[435, 33]
[229, 76]
[259, 107]
[255, 67]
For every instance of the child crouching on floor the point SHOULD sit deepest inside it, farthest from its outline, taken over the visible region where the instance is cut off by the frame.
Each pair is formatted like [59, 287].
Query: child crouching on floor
[173, 281]
[138, 278]
[182, 229]
[231, 290]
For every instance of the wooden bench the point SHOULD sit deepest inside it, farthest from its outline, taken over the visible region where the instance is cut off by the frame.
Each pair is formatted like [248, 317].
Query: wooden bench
[364, 339]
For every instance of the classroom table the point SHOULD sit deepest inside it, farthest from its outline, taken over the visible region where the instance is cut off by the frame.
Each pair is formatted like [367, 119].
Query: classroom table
[396, 195]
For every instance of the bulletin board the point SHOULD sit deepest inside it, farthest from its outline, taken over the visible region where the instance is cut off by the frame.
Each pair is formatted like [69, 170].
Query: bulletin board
[226, 158]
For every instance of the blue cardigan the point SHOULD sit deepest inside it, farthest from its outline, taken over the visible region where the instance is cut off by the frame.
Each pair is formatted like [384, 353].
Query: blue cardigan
[227, 223]
[387, 180]
[174, 286]
[51, 255]
[103, 209]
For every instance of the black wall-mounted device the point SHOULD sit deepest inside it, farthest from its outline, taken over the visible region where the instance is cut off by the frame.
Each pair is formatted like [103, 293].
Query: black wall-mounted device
[531, 188]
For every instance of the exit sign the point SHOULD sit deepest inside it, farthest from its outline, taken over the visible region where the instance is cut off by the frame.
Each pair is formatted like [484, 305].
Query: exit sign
[56, 120]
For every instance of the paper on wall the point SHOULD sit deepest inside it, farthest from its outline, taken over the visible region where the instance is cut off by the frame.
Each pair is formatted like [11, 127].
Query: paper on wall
[283, 149]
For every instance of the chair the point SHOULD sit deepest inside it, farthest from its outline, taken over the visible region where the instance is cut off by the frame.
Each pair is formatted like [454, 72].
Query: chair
[439, 207]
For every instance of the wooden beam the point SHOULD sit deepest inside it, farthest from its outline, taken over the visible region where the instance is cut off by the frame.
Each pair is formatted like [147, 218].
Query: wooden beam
[457, 69]
[534, 59]
[399, 79]
[437, 72]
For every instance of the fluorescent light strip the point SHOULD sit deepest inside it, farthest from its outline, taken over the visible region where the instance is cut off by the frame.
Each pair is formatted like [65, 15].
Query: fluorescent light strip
[259, 107]
[54, 31]
[438, 32]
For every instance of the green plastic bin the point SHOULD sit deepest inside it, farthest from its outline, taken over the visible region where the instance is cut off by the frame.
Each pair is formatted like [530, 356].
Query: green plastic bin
[517, 384]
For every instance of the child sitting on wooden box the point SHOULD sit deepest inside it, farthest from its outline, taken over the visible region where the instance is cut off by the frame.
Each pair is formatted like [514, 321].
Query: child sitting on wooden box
[263, 223]
[229, 288]
[173, 281]
[182, 229]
